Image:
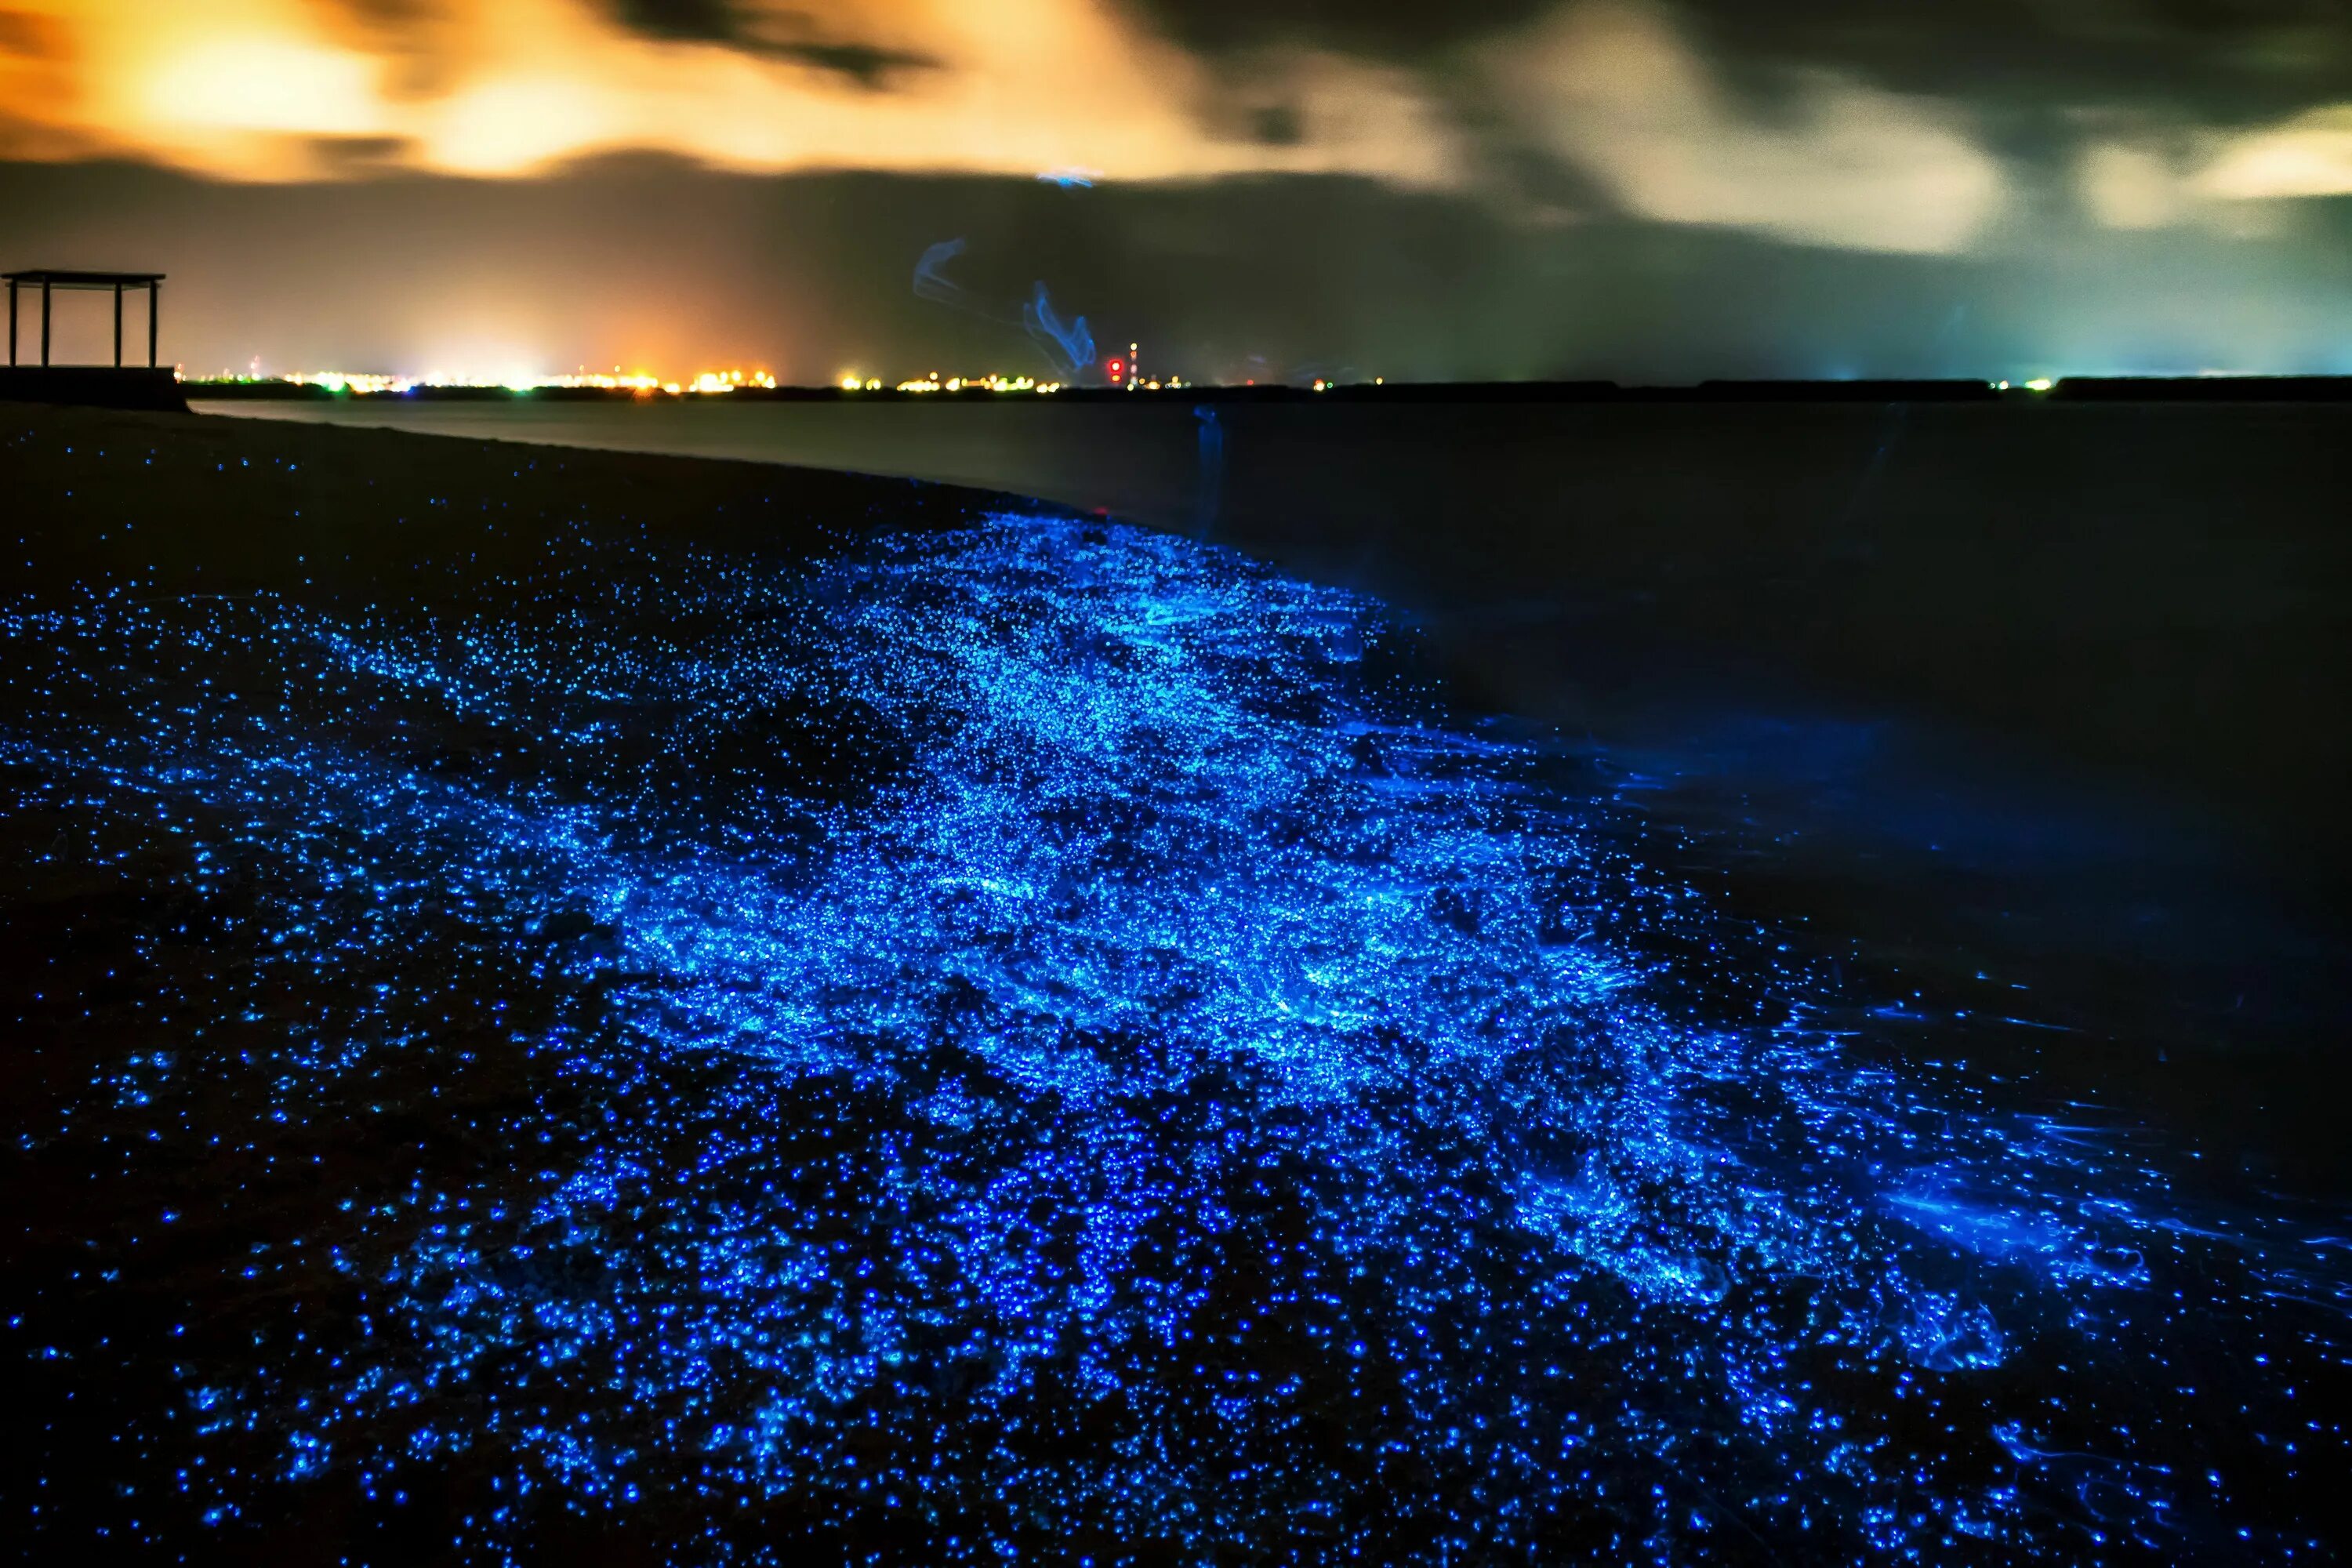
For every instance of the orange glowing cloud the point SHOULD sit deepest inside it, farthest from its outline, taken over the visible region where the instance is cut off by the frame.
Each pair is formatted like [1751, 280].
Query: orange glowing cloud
[267, 90]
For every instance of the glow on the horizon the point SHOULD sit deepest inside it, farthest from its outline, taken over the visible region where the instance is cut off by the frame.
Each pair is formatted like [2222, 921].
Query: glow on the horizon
[702, 383]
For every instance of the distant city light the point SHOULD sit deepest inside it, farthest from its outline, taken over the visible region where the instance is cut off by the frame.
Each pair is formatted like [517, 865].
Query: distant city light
[937, 383]
[712, 381]
[1124, 372]
[705, 384]
[336, 382]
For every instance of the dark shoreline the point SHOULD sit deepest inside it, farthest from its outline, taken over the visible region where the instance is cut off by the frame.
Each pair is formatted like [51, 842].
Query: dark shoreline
[183, 502]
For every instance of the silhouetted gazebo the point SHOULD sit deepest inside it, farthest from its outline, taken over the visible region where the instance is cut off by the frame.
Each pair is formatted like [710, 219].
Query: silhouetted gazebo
[99, 281]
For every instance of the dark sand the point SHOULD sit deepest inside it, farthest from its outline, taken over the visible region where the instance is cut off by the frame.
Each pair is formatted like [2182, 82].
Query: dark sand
[161, 504]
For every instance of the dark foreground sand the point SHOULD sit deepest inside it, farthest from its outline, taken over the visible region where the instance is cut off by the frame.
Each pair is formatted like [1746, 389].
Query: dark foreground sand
[159, 503]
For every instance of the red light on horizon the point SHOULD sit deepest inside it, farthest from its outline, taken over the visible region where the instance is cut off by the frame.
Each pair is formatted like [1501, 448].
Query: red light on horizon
[1118, 367]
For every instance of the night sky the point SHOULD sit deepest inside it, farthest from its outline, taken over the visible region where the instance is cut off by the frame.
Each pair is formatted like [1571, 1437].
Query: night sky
[1482, 188]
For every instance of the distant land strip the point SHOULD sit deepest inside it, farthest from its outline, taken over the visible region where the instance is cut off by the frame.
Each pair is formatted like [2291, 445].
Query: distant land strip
[2073, 389]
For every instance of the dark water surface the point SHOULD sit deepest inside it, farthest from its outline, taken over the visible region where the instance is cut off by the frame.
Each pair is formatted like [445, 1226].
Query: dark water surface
[1046, 1038]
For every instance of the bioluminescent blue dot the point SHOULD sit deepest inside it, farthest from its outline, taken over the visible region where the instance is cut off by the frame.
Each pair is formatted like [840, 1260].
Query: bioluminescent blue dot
[1050, 1039]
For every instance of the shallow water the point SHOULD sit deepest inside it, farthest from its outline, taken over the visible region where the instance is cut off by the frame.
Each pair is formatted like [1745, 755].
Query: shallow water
[1053, 1039]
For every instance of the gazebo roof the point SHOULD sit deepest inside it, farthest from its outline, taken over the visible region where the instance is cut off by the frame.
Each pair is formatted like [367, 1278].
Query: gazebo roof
[56, 279]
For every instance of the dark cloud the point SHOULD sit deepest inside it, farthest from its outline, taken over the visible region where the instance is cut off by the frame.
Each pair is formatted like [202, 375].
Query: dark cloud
[794, 36]
[702, 21]
[2224, 60]
[2219, 58]
[1406, 29]
[864, 64]
[1279, 125]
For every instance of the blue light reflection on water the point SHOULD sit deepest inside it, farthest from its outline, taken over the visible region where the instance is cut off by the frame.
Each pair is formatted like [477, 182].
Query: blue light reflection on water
[1062, 1039]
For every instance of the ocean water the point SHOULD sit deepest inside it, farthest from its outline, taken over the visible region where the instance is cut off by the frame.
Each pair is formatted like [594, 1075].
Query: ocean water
[1050, 1039]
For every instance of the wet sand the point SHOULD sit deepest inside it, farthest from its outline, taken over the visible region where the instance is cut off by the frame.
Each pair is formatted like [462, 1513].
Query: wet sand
[162, 504]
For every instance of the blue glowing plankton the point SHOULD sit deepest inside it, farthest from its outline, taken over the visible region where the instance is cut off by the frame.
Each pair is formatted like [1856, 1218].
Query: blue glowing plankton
[1047, 1039]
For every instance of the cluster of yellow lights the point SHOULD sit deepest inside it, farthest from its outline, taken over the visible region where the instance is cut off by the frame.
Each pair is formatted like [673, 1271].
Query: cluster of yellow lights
[711, 380]
[710, 383]
[937, 382]
[335, 381]
[638, 382]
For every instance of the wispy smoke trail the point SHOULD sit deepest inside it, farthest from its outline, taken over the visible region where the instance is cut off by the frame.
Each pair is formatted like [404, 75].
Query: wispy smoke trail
[1069, 344]
[931, 281]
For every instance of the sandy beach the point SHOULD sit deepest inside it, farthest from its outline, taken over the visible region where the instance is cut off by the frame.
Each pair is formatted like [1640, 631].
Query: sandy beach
[161, 504]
